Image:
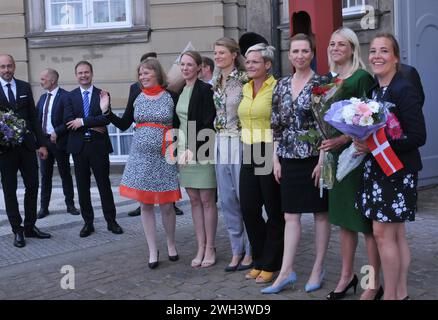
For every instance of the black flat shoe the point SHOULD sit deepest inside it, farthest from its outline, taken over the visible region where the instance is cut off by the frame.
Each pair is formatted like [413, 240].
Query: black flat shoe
[231, 268]
[341, 295]
[153, 265]
[242, 267]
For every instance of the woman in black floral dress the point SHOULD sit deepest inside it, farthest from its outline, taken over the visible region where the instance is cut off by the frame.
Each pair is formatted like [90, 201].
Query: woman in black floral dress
[390, 201]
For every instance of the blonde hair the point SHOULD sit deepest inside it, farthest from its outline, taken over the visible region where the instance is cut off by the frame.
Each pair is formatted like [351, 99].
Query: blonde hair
[356, 60]
[233, 47]
[155, 65]
[267, 52]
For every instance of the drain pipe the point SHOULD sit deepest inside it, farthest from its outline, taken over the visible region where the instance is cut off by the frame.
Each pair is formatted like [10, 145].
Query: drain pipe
[276, 36]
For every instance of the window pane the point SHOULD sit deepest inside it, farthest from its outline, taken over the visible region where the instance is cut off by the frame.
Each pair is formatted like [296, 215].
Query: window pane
[115, 145]
[125, 144]
[118, 11]
[67, 13]
[101, 11]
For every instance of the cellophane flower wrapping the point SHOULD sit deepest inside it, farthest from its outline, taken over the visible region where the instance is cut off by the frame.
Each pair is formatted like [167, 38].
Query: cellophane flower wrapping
[357, 118]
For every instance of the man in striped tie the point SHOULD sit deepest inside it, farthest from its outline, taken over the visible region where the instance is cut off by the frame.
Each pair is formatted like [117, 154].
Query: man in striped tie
[90, 145]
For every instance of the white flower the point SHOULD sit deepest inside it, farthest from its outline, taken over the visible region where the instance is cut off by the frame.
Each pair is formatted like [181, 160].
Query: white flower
[355, 101]
[366, 121]
[374, 106]
[348, 113]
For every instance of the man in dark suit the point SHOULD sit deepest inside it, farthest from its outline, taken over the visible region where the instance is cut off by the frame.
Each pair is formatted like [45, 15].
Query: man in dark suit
[16, 95]
[134, 91]
[90, 145]
[51, 116]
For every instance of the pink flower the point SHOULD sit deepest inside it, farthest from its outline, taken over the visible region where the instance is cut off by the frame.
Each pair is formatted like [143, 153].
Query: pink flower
[393, 127]
[364, 110]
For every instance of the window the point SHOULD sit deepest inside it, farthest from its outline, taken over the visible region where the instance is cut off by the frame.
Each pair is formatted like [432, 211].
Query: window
[121, 141]
[87, 14]
[354, 7]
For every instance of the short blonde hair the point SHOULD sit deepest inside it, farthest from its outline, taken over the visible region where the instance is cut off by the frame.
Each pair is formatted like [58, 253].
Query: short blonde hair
[356, 60]
[268, 52]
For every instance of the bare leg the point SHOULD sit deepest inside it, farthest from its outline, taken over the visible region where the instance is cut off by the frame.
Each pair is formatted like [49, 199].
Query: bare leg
[322, 236]
[405, 255]
[386, 238]
[348, 250]
[210, 225]
[292, 235]
[374, 261]
[168, 218]
[198, 222]
[148, 221]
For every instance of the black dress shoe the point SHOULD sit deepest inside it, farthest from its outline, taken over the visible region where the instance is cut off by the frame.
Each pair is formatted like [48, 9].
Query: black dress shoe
[178, 211]
[86, 230]
[34, 232]
[19, 239]
[42, 213]
[231, 268]
[115, 228]
[73, 211]
[135, 213]
[153, 265]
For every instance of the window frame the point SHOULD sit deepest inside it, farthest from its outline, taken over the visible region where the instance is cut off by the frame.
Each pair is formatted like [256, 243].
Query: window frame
[117, 156]
[39, 37]
[354, 10]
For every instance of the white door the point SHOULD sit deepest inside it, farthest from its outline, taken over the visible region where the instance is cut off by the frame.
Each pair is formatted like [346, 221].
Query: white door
[417, 31]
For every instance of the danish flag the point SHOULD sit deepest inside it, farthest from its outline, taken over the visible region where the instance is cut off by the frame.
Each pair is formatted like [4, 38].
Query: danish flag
[383, 153]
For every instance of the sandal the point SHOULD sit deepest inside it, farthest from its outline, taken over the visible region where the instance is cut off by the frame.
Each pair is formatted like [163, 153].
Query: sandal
[208, 263]
[253, 274]
[265, 277]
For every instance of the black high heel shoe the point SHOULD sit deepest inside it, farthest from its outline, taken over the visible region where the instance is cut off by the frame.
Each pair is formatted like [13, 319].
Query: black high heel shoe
[340, 295]
[153, 265]
[174, 258]
[379, 294]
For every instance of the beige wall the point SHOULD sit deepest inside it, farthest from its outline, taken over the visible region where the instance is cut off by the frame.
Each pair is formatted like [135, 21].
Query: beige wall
[12, 36]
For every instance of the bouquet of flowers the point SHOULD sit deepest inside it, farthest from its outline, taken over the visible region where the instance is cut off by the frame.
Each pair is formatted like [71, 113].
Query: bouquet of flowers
[12, 129]
[322, 96]
[364, 120]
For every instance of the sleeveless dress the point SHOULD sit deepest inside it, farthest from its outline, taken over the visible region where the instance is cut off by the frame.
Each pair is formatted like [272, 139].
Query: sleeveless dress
[149, 177]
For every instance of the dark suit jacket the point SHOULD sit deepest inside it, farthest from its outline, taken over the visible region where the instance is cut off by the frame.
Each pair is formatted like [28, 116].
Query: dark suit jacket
[408, 110]
[201, 110]
[410, 73]
[57, 117]
[25, 109]
[74, 109]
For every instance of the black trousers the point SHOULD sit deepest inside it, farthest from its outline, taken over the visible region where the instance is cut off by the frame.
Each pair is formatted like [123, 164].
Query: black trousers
[93, 157]
[46, 168]
[266, 237]
[12, 160]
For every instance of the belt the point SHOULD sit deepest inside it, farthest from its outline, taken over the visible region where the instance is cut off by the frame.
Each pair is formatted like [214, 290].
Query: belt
[165, 132]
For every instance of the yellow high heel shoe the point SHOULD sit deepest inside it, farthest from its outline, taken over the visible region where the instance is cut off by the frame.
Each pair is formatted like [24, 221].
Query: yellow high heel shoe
[253, 274]
[265, 277]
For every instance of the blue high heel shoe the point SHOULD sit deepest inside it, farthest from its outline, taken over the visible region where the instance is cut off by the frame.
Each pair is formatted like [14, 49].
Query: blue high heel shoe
[288, 281]
[309, 287]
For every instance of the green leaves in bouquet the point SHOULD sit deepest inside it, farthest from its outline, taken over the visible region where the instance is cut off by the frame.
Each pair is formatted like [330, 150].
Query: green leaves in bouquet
[312, 137]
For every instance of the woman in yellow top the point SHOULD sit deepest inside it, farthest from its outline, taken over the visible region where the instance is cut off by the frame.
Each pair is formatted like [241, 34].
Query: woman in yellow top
[258, 187]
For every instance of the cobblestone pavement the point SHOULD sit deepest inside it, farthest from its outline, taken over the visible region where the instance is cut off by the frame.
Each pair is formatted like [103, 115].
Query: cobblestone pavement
[108, 266]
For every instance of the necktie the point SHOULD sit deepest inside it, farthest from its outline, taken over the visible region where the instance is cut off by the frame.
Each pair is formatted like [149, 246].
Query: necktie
[45, 112]
[11, 96]
[86, 103]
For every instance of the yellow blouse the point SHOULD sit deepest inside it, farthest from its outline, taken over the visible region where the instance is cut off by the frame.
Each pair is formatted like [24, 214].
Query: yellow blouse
[255, 113]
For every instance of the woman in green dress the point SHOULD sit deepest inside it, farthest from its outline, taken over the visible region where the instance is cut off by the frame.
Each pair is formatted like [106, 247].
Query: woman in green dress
[194, 112]
[346, 65]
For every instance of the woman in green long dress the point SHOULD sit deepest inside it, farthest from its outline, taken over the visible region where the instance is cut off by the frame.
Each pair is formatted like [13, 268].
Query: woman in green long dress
[346, 64]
